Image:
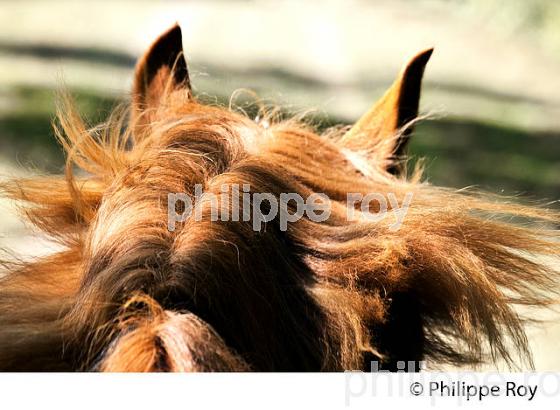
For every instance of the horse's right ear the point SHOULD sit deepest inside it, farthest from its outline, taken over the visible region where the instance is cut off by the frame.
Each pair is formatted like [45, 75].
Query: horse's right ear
[161, 69]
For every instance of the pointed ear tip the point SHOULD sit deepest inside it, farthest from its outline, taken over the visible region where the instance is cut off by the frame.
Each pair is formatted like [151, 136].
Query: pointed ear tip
[175, 27]
[419, 61]
[429, 51]
[173, 32]
[171, 36]
[424, 55]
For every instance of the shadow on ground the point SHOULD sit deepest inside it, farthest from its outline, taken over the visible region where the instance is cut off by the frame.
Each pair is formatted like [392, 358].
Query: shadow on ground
[462, 153]
[245, 75]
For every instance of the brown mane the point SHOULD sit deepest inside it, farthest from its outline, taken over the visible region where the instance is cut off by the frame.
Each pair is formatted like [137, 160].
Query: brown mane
[127, 294]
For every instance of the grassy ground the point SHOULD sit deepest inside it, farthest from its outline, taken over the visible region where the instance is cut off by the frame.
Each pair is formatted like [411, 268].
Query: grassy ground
[27, 131]
[493, 157]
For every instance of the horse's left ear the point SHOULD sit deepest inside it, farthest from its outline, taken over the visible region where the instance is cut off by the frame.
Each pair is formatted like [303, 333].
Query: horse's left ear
[380, 131]
[161, 69]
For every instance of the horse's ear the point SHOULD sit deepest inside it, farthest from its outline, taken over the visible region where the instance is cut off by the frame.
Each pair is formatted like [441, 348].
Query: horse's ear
[162, 68]
[380, 131]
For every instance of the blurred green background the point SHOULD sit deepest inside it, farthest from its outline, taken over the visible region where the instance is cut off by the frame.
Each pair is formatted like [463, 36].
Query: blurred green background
[492, 88]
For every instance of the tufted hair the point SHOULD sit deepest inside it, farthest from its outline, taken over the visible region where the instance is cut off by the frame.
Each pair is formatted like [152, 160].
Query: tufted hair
[125, 293]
